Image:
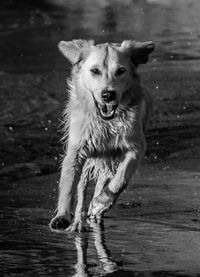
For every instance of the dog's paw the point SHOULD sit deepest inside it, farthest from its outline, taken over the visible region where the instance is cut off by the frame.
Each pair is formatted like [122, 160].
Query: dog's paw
[59, 223]
[102, 203]
[78, 226]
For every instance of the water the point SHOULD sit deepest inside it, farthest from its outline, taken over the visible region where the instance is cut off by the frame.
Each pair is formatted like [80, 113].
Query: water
[154, 228]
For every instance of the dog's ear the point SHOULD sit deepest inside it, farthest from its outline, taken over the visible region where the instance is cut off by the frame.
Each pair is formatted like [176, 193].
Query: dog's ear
[137, 51]
[72, 50]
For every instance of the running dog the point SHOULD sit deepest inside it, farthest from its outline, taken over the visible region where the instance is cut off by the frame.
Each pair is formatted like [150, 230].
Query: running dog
[105, 119]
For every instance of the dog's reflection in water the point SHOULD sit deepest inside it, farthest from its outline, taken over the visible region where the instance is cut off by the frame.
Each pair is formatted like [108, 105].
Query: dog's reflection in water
[105, 263]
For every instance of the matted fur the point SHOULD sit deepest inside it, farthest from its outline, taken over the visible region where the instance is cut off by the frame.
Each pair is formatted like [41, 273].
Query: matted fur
[104, 123]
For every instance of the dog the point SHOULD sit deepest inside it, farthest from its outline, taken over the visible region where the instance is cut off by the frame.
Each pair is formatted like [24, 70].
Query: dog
[105, 120]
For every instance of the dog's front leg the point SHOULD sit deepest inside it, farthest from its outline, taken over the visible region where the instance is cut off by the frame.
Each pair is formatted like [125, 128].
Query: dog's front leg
[70, 174]
[126, 169]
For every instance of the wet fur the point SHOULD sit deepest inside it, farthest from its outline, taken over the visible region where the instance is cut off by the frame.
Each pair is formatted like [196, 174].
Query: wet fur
[105, 151]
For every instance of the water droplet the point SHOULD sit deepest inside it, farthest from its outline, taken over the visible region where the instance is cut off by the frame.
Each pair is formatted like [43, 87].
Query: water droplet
[165, 168]
[46, 129]
[157, 87]
[10, 128]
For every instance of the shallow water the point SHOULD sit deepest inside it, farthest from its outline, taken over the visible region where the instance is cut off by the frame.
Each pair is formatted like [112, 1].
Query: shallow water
[154, 228]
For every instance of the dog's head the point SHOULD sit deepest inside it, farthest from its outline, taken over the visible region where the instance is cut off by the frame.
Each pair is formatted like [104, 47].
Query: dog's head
[106, 71]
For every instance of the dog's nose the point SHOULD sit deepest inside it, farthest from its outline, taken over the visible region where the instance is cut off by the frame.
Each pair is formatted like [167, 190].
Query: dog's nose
[108, 95]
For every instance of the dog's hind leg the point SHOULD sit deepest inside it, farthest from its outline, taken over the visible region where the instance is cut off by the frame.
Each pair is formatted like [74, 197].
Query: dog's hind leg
[101, 183]
[79, 223]
[103, 175]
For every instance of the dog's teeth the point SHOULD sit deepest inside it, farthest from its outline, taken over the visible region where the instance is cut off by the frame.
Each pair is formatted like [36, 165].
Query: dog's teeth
[107, 111]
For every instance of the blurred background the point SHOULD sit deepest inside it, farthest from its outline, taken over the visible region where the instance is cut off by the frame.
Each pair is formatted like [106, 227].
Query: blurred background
[32, 95]
[33, 72]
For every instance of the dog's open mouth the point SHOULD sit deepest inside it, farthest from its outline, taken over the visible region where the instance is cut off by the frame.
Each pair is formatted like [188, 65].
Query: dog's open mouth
[107, 111]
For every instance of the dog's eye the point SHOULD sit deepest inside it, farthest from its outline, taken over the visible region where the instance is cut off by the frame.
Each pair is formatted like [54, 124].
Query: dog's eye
[95, 71]
[120, 71]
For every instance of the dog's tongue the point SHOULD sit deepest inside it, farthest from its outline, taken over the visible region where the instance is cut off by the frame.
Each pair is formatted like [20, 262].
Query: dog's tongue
[104, 108]
[110, 109]
[107, 109]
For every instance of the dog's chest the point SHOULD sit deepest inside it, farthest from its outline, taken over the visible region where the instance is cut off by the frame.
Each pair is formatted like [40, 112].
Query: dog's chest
[109, 137]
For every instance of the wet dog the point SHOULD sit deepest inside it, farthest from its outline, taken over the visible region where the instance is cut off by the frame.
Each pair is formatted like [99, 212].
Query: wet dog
[105, 119]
